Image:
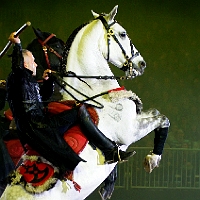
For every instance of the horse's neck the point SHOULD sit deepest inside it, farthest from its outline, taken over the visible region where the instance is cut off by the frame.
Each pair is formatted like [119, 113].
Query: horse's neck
[86, 58]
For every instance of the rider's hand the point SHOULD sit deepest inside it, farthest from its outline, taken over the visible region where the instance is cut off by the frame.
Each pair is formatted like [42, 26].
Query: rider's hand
[14, 39]
[46, 74]
[2, 83]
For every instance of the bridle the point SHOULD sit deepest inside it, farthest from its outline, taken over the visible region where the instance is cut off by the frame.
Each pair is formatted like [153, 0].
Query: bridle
[46, 47]
[128, 64]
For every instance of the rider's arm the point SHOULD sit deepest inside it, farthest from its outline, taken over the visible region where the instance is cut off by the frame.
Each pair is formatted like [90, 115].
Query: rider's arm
[17, 58]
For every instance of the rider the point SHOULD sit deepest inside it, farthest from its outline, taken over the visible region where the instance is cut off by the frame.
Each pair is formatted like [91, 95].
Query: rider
[41, 131]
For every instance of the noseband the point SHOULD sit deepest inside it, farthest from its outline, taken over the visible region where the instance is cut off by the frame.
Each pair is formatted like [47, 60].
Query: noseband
[128, 63]
[45, 47]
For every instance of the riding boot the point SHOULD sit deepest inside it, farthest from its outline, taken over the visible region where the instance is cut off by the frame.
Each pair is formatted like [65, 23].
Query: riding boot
[109, 148]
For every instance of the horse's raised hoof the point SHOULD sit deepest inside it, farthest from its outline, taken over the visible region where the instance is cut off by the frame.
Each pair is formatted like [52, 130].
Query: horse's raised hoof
[118, 156]
[151, 161]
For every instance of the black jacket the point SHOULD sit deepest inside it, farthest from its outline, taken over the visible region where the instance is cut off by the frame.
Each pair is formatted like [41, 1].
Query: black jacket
[23, 92]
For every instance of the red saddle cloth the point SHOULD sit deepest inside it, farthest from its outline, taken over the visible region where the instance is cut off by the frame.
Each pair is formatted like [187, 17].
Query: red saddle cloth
[15, 149]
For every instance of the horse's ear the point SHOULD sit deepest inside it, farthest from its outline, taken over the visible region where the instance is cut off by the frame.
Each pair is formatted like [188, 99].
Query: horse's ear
[95, 15]
[38, 32]
[112, 14]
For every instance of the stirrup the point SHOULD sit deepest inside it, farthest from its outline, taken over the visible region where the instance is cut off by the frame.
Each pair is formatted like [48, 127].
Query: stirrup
[126, 155]
[120, 156]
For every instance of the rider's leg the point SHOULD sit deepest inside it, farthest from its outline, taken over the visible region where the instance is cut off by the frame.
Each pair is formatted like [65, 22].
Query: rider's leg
[45, 136]
[63, 120]
[109, 148]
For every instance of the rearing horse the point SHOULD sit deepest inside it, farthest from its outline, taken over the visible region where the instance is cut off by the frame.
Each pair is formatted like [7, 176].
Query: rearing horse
[91, 48]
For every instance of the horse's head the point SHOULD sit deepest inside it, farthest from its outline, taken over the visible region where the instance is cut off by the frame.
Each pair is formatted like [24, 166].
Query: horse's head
[47, 50]
[119, 49]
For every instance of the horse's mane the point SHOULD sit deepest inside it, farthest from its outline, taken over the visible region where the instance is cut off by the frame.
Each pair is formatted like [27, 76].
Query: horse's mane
[68, 45]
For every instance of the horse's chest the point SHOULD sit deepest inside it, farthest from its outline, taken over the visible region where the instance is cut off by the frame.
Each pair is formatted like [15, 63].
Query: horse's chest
[117, 115]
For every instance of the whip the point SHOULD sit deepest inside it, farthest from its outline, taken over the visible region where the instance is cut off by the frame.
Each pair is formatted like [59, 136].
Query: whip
[8, 45]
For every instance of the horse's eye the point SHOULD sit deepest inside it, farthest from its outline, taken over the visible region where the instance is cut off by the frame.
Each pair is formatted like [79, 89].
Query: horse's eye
[123, 34]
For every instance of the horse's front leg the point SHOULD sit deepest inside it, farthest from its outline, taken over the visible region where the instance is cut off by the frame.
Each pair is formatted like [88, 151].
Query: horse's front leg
[149, 121]
[152, 160]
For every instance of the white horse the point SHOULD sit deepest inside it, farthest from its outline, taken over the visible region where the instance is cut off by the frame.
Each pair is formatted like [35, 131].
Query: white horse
[101, 41]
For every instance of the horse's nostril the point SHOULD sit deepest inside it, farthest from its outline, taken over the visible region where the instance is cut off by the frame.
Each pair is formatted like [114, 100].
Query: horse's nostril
[142, 64]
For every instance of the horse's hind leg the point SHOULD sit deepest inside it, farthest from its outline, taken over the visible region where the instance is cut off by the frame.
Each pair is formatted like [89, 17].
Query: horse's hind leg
[109, 184]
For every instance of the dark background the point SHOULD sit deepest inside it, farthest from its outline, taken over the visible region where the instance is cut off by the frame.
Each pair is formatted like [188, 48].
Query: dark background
[167, 34]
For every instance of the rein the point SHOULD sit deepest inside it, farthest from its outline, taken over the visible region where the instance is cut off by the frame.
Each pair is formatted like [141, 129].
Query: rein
[45, 47]
[58, 79]
[70, 74]
[63, 84]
